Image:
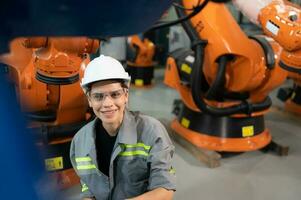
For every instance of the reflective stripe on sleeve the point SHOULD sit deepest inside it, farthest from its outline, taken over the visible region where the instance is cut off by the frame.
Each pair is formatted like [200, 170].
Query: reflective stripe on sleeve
[172, 170]
[84, 187]
[133, 153]
[146, 147]
[83, 167]
[83, 159]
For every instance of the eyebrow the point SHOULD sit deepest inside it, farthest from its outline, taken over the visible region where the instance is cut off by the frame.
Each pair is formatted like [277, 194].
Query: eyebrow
[106, 92]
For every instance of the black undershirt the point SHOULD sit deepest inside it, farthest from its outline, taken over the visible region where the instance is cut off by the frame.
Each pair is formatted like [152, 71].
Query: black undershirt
[104, 147]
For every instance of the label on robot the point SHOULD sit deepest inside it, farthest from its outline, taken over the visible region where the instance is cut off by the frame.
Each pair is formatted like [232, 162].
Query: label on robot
[185, 122]
[139, 82]
[54, 163]
[186, 68]
[247, 131]
[189, 59]
[272, 27]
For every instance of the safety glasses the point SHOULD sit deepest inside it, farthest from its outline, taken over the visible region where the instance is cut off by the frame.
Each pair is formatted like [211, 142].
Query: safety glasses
[100, 97]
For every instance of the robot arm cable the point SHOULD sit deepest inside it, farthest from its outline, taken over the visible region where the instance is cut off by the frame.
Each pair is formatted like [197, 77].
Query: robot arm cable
[195, 11]
[198, 45]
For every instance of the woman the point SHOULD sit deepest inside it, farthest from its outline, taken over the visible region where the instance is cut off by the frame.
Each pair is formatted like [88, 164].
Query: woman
[120, 154]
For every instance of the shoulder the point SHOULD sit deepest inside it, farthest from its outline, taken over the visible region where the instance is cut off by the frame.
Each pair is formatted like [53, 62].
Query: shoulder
[150, 122]
[150, 127]
[145, 121]
[85, 132]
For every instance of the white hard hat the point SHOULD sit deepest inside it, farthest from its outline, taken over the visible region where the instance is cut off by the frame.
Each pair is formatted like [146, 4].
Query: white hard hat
[104, 68]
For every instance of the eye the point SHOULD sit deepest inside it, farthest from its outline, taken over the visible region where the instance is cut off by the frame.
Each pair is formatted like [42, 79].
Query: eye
[98, 96]
[116, 94]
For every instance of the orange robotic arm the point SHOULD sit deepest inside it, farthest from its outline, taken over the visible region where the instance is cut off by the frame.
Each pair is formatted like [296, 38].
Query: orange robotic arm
[140, 62]
[228, 60]
[224, 81]
[144, 51]
[45, 72]
[282, 22]
[58, 60]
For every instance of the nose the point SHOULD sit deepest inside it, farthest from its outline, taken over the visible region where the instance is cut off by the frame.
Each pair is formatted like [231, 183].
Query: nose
[107, 101]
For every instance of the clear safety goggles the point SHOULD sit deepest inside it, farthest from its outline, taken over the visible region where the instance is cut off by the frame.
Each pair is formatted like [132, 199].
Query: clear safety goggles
[100, 97]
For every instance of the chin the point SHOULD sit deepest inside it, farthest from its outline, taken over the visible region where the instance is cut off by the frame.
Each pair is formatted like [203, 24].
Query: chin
[110, 120]
[113, 119]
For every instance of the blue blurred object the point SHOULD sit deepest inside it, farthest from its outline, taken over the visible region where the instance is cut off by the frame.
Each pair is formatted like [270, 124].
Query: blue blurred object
[98, 18]
[21, 168]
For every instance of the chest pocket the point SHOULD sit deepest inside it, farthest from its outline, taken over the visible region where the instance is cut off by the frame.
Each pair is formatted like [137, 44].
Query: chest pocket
[132, 162]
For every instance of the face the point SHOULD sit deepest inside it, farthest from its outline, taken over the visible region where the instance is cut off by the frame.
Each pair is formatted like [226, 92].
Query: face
[108, 101]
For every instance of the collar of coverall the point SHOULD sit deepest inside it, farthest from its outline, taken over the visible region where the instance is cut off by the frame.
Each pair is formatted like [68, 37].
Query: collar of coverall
[126, 135]
[127, 131]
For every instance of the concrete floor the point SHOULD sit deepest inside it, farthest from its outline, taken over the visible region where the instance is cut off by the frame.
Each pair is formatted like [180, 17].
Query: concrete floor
[248, 176]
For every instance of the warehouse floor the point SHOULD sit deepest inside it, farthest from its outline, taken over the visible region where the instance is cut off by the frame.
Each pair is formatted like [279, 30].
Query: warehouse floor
[249, 176]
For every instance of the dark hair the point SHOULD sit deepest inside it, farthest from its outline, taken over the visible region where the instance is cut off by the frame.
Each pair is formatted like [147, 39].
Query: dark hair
[122, 82]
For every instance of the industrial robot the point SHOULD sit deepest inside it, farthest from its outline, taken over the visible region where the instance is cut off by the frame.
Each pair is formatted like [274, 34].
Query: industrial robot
[45, 74]
[140, 61]
[281, 21]
[225, 78]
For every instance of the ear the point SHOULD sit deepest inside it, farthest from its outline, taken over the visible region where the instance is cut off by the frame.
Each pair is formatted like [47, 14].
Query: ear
[126, 97]
[89, 101]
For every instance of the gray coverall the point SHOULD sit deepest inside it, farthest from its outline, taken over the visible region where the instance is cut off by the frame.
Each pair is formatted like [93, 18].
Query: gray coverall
[140, 161]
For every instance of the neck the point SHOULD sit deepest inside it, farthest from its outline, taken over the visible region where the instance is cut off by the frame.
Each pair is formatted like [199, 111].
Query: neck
[111, 129]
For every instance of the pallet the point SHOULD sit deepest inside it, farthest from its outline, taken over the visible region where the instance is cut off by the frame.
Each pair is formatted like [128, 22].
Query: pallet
[208, 157]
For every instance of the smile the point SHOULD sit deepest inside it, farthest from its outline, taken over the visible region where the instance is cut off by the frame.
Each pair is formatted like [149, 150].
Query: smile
[107, 112]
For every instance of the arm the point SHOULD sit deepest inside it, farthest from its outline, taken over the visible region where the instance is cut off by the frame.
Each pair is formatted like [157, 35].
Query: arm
[162, 178]
[158, 194]
[85, 193]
